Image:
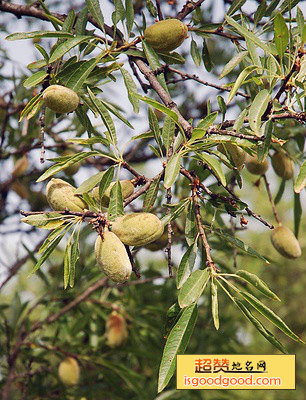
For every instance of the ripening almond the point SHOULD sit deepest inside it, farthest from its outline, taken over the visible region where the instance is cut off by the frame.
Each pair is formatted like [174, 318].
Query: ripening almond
[166, 35]
[112, 257]
[255, 167]
[60, 195]
[127, 189]
[60, 99]
[116, 329]
[69, 371]
[285, 242]
[138, 229]
[282, 165]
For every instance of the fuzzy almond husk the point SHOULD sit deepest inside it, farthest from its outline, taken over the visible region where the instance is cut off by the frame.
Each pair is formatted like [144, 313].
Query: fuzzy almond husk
[138, 229]
[60, 195]
[282, 165]
[116, 329]
[127, 189]
[69, 371]
[255, 167]
[60, 99]
[21, 166]
[236, 153]
[112, 257]
[285, 242]
[166, 35]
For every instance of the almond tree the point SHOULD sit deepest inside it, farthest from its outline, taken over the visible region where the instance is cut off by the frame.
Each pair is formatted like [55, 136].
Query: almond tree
[64, 124]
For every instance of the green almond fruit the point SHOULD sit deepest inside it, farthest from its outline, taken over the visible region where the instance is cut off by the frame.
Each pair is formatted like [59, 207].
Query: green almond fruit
[112, 257]
[282, 165]
[60, 195]
[60, 99]
[255, 167]
[69, 371]
[116, 330]
[237, 154]
[127, 189]
[166, 35]
[138, 229]
[285, 242]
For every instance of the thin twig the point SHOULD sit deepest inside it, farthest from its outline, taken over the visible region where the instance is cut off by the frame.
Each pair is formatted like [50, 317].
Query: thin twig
[271, 199]
[200, 226]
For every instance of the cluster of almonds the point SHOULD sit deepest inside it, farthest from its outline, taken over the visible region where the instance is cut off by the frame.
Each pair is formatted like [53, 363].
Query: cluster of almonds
[116, 334]
[282, 238]
[137, 229]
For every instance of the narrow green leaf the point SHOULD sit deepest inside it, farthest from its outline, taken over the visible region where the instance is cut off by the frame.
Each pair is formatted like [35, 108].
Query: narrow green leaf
[114, 111]
[154, 126]
[69, 21]
[193, 288]
[190, 225]
[203, 125]
[119, 13]
[46, 254]
[115, 202]
[38, 34]
[66, 46]
[259, 326]
[281, 34]
[262, 151]
[89, 183]
[35, 79]
[168, 132]
[233, 62]
[214, 303]
[67, 257]
[81, 73]
[131, 89]
[154, 63]
[151, 8]
[176, 344]
[240, 244]
[95, 10]
[72, 160]
[270, 315]
[236, 5]
[206, 57]
[186, 265]
[260, 12]
[257, 109]
[240, 120]
[158, 106]
[106, 180]
[106, 118]
[300, 21]
[297, 211]
[195, 53]
[222, 106]
[259, 284]
[172, 170]
[129, 15]
[248, 34]
[239, 81]
[45, 221]
[300, 181]
[75, 255]
[151, 195]
[176, 211]
[27, 109]
[215, 166]
[80, 25]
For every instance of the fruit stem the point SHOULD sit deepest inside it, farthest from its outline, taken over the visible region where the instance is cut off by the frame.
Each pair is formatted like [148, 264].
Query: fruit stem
[271, 200]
